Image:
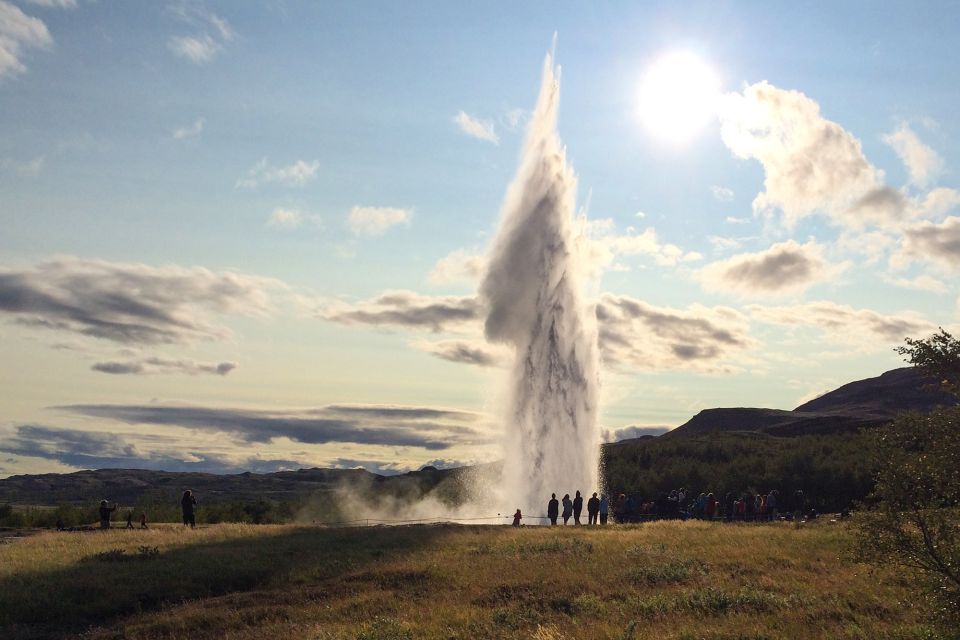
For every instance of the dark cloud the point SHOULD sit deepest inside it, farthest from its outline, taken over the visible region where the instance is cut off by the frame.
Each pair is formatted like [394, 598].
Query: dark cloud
[784, 267]
[626, 433]
[164, 365]
[105, 450]
[634, 334]
[406, 309]
[128, 303]
[374, 426]
[464, 352]
[931, 241]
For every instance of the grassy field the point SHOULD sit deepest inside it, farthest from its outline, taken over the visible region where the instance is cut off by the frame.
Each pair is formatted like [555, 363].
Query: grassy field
[659, 580]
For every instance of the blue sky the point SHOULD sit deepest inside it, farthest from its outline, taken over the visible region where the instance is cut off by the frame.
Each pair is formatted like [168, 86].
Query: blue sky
[208, 210]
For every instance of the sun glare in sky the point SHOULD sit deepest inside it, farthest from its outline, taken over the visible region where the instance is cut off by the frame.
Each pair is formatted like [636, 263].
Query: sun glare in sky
[678, 96]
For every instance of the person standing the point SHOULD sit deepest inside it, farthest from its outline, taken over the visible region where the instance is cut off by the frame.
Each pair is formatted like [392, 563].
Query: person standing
[105, 512]
[593, 508]
[604, 508]
[516, 518]
[143, 519]
[553, 509]
[577, 508]
[130, 519]
[187, 503]
[567, 508]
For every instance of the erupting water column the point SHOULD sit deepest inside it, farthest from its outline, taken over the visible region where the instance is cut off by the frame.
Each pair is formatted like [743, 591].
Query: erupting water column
[532, 292]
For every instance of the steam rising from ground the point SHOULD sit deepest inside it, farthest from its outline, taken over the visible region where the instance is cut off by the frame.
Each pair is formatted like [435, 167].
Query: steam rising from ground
[532, 292]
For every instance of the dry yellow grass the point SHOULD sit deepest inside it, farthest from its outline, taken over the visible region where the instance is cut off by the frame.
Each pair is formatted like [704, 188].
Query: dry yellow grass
[658, 580]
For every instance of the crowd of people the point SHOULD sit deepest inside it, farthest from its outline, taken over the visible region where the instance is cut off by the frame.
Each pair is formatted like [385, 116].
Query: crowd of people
[678, 504]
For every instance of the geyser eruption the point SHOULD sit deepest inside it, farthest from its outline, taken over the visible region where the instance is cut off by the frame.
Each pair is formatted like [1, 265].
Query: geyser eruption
[532, 292]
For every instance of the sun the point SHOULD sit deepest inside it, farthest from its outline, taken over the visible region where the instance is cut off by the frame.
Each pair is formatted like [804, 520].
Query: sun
[678, 96]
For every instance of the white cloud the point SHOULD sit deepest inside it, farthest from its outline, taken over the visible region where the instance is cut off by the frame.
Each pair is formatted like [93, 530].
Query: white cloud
[18, 31]
[55, 4]
[930, 241]
[734, 220]
[210, 33]
[602, 244]
[922, 282]
[375, 221]
[191, 131]
[27, 169]
[476, 128]
[513, 119]
[285, 218]
[844, 324]
[721, 244]
[786, 267]
[293, 175]
[937, 203]
[458, 266]
[196, 49]
[723, 194]
[811, 165]
[922, 162]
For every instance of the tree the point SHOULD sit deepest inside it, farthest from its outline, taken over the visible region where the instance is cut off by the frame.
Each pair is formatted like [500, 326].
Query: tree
[937, 357]
[915, 519]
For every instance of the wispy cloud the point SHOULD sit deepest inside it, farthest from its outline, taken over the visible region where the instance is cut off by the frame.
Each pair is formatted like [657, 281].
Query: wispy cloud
[293, 175]
[844, 324]
[190, 131]
[158, 365]
[458, 266]
[476, 128]
[923, 163]
[407, 310]
[282, 218]
[210, 33]
[428, 428]
[473, 352]
[723, 194]
[921, 282]
[375, 221]
[129, 303]
[18, 31]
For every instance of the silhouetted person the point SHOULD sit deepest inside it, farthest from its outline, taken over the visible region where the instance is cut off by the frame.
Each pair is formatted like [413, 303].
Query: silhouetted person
[593, 508]
[577, 508]
[567, 508]
[60, 525]
[553, 509]
[143, 519]
[604, 508]
[130, 519]
[516, 518]
[187, 503]
[105, 512]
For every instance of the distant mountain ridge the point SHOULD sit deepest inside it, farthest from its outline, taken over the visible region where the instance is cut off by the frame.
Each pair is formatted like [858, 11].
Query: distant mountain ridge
[863, 403]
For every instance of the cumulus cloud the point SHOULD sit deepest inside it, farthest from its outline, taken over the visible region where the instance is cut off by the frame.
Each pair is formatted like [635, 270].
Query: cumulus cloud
[844, 324]
[923, 163]
[129, 303]
[602, 244]
[190, 131]
[786, 267]
[633, 431]
[474, 352]
[210, 33]
[375, 221]
[476, 128]
[144, 366]
[811, 165]
[637, 335]
[931, 241]
[458, 266]
[18, 31]
[407, 310]
[293, 175]
[83, 449]
[424, 427]
[723, 194]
